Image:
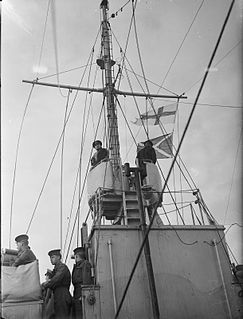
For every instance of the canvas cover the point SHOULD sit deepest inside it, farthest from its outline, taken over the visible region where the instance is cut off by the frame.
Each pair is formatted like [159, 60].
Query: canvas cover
[22, 283]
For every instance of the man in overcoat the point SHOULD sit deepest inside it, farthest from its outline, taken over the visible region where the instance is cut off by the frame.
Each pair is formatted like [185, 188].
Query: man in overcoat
[60, 283]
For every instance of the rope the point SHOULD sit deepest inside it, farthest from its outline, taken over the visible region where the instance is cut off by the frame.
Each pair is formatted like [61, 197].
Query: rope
[82, 142]
[43, 37]
[15, 165]
[54, 155]
[53, 11]
[181, 45]
[233, 173]
[85, 178]
[217, 63]
[173, 162]
[62, 158]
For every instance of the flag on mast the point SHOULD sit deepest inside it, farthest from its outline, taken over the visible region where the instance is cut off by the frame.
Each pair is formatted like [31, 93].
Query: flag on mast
[165, 115]
[163, 146]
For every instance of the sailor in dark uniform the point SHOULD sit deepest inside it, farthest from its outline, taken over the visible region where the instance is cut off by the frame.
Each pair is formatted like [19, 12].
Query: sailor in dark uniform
[81, 275]
[100, 154]
[146, 154]
[25, 254]
[60, 283]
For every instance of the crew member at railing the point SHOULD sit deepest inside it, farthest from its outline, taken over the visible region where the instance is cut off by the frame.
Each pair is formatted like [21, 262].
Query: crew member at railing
[100, 154]
[25, 254]
[146, 154]
[81, 275]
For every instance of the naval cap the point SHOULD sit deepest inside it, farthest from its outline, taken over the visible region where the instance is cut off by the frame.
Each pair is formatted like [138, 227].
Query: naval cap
[148, 141]
[79, 250]
[22, 237]
[97, 142]
[56, 252]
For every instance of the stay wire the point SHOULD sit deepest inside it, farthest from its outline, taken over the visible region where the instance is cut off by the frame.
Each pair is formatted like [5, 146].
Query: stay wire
[83, 139]
[54, 155]
[181, 45]
[217, 63]
[43, 38]
[173, 162]
[77, 175]
[127, 40]
[62, 160]
[85, 178]
[232, 177]
[54, 29]
[15, 164]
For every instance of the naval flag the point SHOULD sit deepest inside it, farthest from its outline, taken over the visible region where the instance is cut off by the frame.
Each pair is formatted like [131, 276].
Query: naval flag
[165, 115]
[163, 146]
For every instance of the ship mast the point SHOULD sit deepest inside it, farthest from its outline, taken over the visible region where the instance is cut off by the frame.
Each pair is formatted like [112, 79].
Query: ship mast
[113, 136]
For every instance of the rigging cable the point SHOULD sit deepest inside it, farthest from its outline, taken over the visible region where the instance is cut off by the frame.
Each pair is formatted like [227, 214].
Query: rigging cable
[218, 62]
[231, 183]
[126, 45]
[83, 139]
[54, 29]
[62, 159]
[76, 180]
[55, 152]
[85, 178]
[62, 72]
[173, 162]
[15, 165]
[43, 38]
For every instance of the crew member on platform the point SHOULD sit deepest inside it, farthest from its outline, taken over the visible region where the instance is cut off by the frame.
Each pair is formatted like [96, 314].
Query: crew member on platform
[25, 254]
[147, 153]
[81, 275]
[60, 282]
[100, 154]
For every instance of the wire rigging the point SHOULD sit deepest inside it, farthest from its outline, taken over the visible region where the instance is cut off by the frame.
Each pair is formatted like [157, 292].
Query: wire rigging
[61, 173]
[57, 147]
[232, 177]
[43, 38]
[15, 165]
[183, 40]
[173, 162]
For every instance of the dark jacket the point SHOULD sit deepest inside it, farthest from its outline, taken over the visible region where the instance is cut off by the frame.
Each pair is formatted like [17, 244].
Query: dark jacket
[101, 154]
[147, 153]
[24, 257]
[60, 282]
[81, 275]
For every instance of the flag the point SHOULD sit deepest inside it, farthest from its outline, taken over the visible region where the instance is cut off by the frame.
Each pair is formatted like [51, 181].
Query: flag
[165, 115]
[163, 146]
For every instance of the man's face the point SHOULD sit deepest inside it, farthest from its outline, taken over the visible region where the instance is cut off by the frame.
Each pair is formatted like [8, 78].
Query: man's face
[147, 144]
[55, 259]
[97, 146]
[19, 245]
[79, 257]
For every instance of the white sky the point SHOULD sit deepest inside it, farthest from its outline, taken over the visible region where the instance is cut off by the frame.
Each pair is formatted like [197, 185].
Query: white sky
[209, 149]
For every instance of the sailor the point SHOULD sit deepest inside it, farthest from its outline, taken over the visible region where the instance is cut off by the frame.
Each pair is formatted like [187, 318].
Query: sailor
[25, 254]
[146, 154]
[81, 275]
[59, 283]
[100, 154]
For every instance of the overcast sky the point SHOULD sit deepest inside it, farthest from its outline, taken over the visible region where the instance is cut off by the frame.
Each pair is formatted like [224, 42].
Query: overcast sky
[210, 147]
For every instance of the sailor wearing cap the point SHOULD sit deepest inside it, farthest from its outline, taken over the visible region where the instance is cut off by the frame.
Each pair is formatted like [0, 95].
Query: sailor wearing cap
[146, 154]
[100, 154]
[25, 254]
[81, 275]
[60, 283]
